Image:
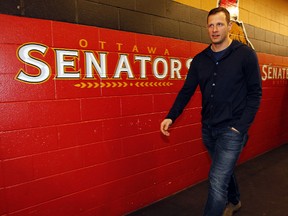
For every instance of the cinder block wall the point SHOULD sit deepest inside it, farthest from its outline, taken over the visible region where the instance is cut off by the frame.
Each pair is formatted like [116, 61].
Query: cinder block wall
[265, 21]
[65, 151]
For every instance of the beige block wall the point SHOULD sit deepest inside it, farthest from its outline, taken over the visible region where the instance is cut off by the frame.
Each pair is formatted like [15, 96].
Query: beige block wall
[265, 14]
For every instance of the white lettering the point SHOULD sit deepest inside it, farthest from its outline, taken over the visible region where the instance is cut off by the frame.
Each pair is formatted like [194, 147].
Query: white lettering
[92, 63]
[175, 68]
[63, 61]
[123, 66]
[269, 72]
[264, 68]
[279, 74]
[24, 54]
[143, 60]
[155, 67]
[188, 63]
[274, 72]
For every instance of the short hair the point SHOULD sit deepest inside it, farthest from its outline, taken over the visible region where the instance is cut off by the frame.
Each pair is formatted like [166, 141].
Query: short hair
[218, 10]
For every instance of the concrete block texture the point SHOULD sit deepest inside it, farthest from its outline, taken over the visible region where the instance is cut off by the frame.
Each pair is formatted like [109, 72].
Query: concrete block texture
[260, 34]
[198, 17]
[190, 32]
[177, 11]
[265, 47]
[165, 27]
[157, 8]
[95, 14]
[279, 39]
[256, 44]
[64, 10]
[127, 4]
[270, 37]
[134, 21]
[165, 18]
[250, 31]
[12, 7]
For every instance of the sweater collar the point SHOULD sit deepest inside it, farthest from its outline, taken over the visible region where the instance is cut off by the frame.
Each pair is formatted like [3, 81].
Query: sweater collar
[233, 46]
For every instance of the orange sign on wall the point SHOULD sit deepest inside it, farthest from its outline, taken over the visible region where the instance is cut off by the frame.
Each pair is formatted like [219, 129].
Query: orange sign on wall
[238, 31]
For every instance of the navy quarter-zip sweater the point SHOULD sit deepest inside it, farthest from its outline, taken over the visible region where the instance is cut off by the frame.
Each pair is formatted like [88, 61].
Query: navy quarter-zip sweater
[231, 87]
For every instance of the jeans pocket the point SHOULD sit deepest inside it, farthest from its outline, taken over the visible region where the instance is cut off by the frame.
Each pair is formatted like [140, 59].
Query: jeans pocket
[232, 140]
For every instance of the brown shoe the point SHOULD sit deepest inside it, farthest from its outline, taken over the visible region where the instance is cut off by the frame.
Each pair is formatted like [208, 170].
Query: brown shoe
[231, 209]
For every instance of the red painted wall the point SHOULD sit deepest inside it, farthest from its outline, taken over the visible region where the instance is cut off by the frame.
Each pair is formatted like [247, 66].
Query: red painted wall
[92, 146]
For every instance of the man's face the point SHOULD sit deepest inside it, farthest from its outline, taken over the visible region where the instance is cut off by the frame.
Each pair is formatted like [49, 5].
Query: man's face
[218, 28]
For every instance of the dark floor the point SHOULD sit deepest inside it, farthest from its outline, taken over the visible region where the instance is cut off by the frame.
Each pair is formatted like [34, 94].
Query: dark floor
[263, 183]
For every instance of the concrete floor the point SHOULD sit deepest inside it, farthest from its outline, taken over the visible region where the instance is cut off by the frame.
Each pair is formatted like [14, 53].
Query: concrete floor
[263, 183]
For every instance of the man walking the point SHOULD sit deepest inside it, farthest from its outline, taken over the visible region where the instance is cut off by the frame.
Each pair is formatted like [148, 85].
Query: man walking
[229, 78]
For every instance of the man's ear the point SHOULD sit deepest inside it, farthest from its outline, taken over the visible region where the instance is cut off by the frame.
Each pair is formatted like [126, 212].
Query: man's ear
[230, 25]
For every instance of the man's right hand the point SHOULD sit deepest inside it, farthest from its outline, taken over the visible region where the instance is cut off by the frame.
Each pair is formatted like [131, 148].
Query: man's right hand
[164, 126]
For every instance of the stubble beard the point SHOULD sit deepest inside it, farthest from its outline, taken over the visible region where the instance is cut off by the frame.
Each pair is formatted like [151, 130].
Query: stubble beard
[218, 42]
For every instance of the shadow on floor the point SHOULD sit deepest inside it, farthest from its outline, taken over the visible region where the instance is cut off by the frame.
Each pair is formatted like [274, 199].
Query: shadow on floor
[263, 183]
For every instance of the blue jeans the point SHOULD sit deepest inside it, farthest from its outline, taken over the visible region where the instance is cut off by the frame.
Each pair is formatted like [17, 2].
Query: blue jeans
[224, 146]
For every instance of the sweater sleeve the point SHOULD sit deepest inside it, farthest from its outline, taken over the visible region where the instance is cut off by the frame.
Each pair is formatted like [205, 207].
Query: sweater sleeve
[185, 93]
[254, 93]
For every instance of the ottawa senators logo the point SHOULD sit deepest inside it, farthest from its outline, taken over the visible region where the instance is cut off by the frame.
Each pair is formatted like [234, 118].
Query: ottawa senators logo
[238, 30]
